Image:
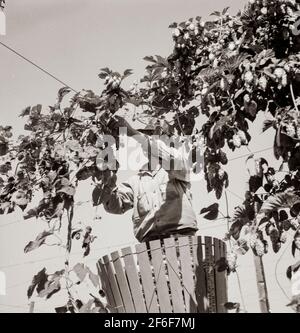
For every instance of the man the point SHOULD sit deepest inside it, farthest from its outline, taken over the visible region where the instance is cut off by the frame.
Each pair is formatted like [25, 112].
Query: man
[159, 194]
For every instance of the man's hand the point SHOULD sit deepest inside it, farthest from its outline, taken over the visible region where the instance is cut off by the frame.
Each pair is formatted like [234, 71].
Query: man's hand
[118, 121]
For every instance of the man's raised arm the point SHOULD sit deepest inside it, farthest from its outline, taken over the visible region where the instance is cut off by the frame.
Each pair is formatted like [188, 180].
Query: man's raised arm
[117, 199]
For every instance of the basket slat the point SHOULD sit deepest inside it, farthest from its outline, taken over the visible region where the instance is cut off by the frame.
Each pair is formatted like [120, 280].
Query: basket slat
[219, 278]
[147, 278]
[187, 274]
[114, 285]
[160, 277]
[174, 276]
[134, 281]
[106, 286]
[200, 283]
[122, 282]
[170, 275]
[224, 287]
[210, 274]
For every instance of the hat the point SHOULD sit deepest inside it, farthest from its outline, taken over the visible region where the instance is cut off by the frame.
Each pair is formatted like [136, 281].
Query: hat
[156, 126]
[150, 127]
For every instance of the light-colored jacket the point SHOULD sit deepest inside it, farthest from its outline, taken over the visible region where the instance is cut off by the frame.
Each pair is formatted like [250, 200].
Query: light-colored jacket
[161, 199]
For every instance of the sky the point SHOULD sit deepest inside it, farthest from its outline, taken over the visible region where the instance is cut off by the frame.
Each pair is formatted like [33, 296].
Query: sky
[73, 39]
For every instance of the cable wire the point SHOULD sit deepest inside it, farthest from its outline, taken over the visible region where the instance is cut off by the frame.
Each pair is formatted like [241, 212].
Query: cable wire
[246, 155]
[23, 307]
[79, 204]
[63, 256]
[236, 195]
[38, 67]
[276, 271]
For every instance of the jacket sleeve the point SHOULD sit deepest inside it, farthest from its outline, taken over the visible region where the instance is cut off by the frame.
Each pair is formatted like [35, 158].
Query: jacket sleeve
[118, 200]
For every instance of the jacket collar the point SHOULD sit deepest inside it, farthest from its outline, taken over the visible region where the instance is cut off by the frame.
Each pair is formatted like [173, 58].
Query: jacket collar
[151, 173]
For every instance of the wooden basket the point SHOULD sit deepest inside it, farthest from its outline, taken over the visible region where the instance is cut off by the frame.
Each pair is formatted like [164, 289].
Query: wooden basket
[166, 276]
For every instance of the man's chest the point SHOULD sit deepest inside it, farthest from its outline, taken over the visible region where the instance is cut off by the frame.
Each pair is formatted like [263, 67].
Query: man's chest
[159, 188]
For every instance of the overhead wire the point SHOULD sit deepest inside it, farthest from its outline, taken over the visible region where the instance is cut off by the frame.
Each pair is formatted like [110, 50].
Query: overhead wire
[276, 271]
[37, 66]
[246, 155]
[62, 256]
[79, 204]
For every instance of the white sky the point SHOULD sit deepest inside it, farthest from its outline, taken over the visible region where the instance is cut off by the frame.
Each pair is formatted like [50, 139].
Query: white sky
[73, 40]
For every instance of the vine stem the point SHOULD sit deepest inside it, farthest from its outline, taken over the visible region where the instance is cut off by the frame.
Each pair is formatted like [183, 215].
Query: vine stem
[293, 97]
[221, 29]
[232, 104]
[69, 237]
[79, 168]
[237, 275]
[178, 120]
[70, 215]
[17, 168]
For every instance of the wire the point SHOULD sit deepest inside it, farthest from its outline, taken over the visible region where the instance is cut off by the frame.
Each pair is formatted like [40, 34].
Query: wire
[240, 289]
[62, 256]
[37, 66]
[89, 259]
[10, 223]
[23, 307]
[249, 150]
[14, 306]
[79, 204]
[156, 278]
[276, 271]
[236, 195]
[18, 284]
[227, 210]
[219, 225]
[245, 155]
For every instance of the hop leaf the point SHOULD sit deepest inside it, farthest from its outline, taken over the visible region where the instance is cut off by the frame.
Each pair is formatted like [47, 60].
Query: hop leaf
[76, 234]
[212, 211]
[251, 108]
[173, 25]
[52, 286]
[295, 301]
[280, 200]
[235, 229]
[81, 271]
[127, 73]
[222, 264]
[97, 195]
[3, 146]
[40, 240]
[25, 112]
[232, 306]
[69, 190]
[38, 282]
